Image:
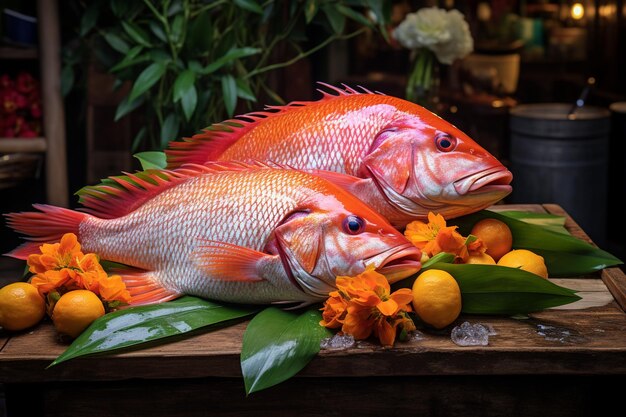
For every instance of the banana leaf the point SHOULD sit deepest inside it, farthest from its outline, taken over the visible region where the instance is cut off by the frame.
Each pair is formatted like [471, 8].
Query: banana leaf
[492, 289]
[548, 221]
[565, 255]
[140, 325]
[277, 345]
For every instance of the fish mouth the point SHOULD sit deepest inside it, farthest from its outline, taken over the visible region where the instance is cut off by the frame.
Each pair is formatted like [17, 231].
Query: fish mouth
[494, 180]
[397, 263]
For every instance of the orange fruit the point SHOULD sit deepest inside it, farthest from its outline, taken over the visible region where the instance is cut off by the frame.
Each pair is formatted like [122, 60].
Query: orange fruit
[436, 298]
[75, 311]
[483, 258]
[526, 260]
[496, 235]
[21, 306]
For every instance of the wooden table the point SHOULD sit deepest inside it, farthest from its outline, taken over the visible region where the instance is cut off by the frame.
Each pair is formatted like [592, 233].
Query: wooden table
[518, 373]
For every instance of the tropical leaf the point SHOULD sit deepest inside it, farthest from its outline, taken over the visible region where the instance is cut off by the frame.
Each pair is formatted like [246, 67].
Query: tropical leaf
[492, 289]
[170, 128]
[126, 106]
[575, 256]
[277, 345]
[139, 325]
[147, 79]
[229, 91]
[151, 160]
[549, 221]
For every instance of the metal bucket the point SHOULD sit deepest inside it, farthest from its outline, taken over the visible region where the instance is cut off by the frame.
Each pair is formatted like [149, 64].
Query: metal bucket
[556, 159]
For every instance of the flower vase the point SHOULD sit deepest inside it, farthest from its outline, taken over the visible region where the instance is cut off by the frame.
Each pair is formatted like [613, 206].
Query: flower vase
[423, 84]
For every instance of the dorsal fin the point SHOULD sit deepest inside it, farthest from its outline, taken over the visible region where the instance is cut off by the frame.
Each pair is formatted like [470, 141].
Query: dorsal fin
[214, 140]
[119, 195]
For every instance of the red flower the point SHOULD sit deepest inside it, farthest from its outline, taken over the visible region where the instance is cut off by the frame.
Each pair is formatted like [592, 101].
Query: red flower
[25, 83]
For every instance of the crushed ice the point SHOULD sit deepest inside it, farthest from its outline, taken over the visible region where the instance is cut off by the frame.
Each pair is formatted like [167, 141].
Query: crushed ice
[468, 334]
[337, 342]
[559, 334]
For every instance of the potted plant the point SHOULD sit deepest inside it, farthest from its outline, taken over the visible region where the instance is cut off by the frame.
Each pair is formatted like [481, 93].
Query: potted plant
[192, 62]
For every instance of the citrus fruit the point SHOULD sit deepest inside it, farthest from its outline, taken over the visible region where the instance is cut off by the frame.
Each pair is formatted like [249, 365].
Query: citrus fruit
[436, 298]
[21, 306]
[482, 258]
[526, 260]
[496, 235]
[76, 310]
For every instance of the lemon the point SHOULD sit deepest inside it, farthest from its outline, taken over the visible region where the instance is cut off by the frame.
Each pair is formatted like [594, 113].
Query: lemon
[482, 258]
[526, 260]
[496, 235]
[75, 311]
[21, 306]
[436, 298]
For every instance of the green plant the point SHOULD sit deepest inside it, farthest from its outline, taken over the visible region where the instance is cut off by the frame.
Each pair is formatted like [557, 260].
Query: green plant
[194, 62]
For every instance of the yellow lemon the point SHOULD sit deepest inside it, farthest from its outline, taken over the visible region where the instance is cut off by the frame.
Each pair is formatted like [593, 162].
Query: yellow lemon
[75, 311]
[436, 298]
[483, 258]
[21, 306]
[496, 235]
[526, 260]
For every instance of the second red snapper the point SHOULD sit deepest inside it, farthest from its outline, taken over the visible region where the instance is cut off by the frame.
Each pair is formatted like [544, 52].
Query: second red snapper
[407, 160]
[227, 232]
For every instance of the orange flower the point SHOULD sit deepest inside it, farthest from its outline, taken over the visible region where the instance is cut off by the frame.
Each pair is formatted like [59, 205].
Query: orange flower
[56, 256]
[334, 311]
[90, 273]
[50, 280]
[113, 289]
[436, 237]
[364, 305]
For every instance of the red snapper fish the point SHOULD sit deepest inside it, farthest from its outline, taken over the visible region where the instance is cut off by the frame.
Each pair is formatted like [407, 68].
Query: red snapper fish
[228, 232]
[404, 160]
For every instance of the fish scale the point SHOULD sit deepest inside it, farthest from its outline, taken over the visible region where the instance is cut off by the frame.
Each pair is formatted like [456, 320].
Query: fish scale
[409, 161]
[228, 232]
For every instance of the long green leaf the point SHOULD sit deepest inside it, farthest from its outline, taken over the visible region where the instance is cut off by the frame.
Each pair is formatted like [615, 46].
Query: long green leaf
[183, 84]
[335, 18]
[136, 33]
[126, 106]
[169, 130]
[549, 221]
[116, 43]
[189, 102]
[249, 5]
[139, 325]
[151, 160]
[492, 289]
[575, 256]
[231, 55]
[229, 91]
[148, 77]
[277, 345]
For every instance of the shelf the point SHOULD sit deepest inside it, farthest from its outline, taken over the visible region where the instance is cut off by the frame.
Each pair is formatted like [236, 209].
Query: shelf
[14, 145]
[10, 52]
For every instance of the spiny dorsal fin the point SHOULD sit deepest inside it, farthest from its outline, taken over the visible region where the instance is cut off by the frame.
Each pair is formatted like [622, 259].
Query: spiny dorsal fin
[214, 140]
[119, 195]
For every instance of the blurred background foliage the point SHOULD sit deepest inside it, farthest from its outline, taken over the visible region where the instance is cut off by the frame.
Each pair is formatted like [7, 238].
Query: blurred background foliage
[188, 63]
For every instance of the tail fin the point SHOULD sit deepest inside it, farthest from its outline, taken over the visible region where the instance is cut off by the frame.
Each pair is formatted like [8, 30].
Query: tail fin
[49, 224]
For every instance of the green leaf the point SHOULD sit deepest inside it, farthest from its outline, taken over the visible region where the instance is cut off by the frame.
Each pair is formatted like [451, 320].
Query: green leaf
[335, 18]
[277, 345]
[138, 325]
[229, 91]
[148, 77]
[136, 33]
[116, 42]
[440, 257]
[189, 102]
[565, 255]
[138, 139]
[130, 59]
[126, 106]
[90, 17]
[310, 10]
[244, 91]
[157, 29]
[346, 11]
[546, 220]
[184, 82]
[169, 130]
[231, 55]
[249, 5]
[177, 28]
[151, 160]
[492, 289]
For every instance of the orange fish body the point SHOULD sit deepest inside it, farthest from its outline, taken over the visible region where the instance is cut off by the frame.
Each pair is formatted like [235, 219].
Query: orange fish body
[406, 160]
[227, 232]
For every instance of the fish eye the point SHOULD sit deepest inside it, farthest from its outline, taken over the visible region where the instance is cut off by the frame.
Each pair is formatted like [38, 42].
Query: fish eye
[445, 142]
[353, 225]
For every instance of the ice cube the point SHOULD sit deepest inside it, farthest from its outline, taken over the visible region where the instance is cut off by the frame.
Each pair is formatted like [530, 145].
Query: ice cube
[338, 341]
[468, 334]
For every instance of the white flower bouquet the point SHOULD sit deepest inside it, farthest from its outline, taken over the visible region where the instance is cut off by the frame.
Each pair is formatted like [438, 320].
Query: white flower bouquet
[434, 35]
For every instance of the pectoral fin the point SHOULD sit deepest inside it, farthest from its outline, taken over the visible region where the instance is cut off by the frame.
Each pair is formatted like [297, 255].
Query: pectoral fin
[227, 262]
